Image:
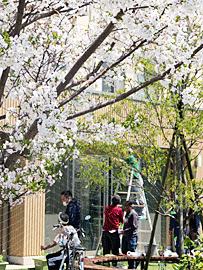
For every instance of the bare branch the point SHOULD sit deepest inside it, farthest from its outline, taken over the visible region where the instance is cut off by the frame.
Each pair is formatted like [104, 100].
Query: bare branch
[133, 90]
[58, 10]
[2, 117]
[101, 74]
[16, 31]
[3, 81]
[18, 24]
[43, 15]
[119, 60]
[84, 79]
[85, 56]
[120, 97]
[166, 215]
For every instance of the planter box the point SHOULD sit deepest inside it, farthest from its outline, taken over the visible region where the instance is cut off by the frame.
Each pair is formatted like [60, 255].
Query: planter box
[40, 263]
[161, 252]
[3, 265]
[153, 251]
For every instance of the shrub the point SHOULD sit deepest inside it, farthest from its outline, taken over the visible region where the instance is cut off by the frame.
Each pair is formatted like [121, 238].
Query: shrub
[194, 260]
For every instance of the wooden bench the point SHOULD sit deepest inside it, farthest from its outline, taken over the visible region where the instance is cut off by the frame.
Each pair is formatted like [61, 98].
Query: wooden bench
[93, 263]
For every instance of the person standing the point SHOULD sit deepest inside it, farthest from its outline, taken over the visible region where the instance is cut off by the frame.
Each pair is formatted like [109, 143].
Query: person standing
[72, 209]
[174, 225]
[130, 232]
[131, 160]
[194, 225]
[137, 185]
[110, 236]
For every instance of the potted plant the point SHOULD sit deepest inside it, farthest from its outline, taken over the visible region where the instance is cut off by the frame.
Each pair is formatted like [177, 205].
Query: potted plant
[2, 263]
[160, 251]
[153, 250]
[41, 262]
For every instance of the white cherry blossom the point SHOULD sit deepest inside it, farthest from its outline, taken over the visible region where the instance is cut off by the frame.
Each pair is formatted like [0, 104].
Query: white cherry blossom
[43, 66]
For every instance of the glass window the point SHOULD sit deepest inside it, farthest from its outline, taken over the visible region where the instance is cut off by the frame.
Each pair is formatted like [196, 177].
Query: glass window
[92, 200]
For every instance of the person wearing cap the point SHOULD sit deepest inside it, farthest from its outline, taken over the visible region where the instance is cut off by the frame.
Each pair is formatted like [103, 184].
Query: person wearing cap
[130, 232]
[110, 236]
[64, 232]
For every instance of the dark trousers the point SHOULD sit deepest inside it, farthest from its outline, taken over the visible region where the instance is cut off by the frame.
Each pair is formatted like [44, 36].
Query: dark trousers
[177, 239]
[110, 241]
[129, 243]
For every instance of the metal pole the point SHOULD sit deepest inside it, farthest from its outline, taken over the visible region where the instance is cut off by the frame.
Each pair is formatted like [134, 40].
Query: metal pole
[73, 179]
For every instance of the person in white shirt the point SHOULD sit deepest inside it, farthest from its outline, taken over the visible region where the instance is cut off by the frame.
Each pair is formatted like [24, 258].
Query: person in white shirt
[66, 232]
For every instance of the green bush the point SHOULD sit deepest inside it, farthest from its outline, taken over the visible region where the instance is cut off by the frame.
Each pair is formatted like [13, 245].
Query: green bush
[191, 262]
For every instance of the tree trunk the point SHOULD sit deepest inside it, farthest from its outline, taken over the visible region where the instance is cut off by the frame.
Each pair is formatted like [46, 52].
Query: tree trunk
[159, 201]
[180, 198]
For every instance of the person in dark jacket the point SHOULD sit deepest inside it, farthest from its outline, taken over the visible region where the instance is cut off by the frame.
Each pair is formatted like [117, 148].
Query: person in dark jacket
[174, 225]
[72, 209]
[194, 225]
[130, 232]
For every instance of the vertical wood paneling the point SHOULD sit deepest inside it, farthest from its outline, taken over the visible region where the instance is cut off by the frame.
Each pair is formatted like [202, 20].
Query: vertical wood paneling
[10, 103]
[27, 227]
[26, 231]
[168, 237]
[16, 235]
[199, 170]
[34, 225]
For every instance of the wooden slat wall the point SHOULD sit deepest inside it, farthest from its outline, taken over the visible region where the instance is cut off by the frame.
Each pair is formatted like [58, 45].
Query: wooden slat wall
[34, 224]
[4, 217]
[199, 170]
[16, 230]
[9, 103]
[26, 230]
[27, 223]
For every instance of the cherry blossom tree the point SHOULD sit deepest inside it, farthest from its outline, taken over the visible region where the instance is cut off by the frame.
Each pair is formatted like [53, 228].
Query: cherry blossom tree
[50, 61]
[163, 111]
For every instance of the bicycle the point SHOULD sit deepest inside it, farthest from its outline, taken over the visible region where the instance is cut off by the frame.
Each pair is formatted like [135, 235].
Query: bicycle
[72, 256]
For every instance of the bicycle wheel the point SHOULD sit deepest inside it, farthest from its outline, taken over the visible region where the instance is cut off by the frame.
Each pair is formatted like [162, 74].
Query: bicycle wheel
[76, 262]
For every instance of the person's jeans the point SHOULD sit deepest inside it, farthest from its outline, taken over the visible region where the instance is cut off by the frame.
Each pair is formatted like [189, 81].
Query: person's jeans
[177, 240]
[129, 243]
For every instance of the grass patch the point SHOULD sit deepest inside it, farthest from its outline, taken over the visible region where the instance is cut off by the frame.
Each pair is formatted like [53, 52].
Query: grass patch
[163, 266]
[152, 265]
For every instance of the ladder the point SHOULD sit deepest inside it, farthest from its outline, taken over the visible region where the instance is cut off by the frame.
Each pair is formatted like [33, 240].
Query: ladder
[135, 188]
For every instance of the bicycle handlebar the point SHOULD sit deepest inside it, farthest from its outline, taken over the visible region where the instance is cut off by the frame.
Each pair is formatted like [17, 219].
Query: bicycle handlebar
[57, 226]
